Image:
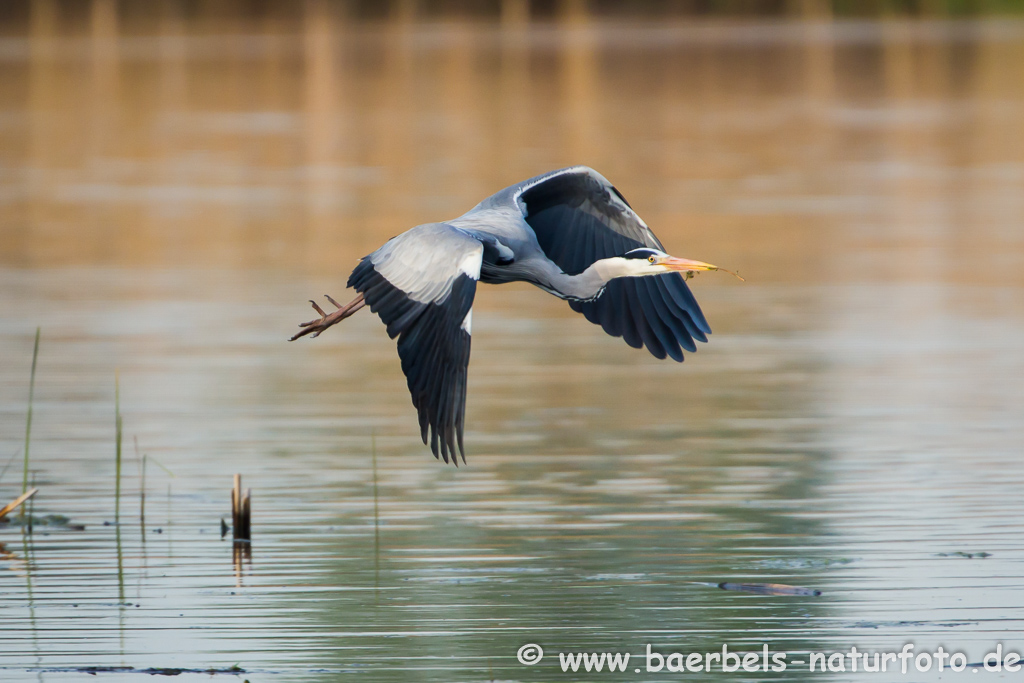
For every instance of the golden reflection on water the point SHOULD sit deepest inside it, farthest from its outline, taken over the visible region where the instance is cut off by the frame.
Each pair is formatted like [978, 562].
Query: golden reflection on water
[792, 151]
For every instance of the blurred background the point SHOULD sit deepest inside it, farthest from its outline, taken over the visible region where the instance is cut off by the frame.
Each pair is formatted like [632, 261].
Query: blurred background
[178, 177]
[761, 134]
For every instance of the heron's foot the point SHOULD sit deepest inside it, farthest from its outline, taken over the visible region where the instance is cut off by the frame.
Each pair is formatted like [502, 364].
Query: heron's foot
[315, 327]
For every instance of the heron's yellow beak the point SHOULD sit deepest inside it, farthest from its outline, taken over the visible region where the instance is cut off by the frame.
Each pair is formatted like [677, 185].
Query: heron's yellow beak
[686, 265]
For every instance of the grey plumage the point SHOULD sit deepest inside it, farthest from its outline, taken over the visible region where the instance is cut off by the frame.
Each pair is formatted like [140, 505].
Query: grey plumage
[569, 232]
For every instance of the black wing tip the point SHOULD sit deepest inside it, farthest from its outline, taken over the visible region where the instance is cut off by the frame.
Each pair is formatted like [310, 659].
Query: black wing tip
[441, 453]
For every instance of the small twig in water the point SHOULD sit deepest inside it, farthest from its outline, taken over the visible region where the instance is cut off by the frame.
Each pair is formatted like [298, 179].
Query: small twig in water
[17, 501]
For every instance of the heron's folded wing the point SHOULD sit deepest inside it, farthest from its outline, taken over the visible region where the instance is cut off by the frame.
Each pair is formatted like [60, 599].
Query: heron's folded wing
[580, 218]
[422, 284]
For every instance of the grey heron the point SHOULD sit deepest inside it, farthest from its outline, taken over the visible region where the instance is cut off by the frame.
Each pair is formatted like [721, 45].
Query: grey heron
[569, 232]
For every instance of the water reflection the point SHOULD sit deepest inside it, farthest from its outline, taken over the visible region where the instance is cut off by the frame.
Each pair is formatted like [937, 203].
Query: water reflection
[174, 191]
[290, 153]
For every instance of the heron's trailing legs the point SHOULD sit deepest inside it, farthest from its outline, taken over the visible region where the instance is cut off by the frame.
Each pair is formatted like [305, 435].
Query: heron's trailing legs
[315, 327]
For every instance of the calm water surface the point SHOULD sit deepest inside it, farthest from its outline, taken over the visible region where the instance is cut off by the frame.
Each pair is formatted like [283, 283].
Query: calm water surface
[173, 194]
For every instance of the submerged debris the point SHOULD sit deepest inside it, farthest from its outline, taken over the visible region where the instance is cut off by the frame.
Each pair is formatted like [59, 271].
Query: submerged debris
[233, 670]
[769, 589]
[969, 556]
[52, 521]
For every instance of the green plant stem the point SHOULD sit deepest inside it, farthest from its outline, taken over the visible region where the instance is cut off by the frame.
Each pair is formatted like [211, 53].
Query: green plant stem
[28, 420]
[376, 514]
[117, 465]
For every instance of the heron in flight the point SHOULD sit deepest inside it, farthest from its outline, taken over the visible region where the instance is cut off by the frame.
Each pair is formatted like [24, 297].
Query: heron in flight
[569, 232]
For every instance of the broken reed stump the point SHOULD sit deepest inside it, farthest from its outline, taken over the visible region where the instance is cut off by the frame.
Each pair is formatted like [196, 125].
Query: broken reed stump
[17, 501]
[241, 511]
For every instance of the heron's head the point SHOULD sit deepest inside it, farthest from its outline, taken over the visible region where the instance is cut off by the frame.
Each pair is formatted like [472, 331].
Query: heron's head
[646, 261]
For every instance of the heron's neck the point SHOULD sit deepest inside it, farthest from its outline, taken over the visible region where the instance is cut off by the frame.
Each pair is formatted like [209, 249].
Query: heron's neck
[591, 282]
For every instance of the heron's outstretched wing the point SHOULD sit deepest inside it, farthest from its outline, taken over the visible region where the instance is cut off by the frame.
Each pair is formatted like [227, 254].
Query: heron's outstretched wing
[422, 284]
[579, 218]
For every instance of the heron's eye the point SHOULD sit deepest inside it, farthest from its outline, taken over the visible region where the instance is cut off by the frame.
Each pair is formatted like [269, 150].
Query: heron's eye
[652, 260]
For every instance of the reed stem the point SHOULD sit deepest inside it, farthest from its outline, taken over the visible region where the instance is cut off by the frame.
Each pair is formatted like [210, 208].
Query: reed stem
[117, 463]
[17, 501]
[142, 488]
[376, 513]
[241, 511]
[28, 419]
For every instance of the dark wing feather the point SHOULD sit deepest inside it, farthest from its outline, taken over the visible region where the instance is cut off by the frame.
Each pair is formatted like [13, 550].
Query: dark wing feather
[433, 341]
[580, 218]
